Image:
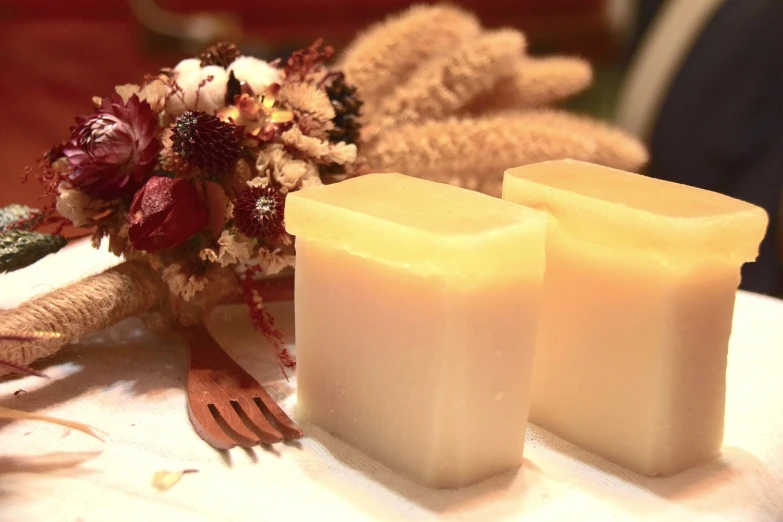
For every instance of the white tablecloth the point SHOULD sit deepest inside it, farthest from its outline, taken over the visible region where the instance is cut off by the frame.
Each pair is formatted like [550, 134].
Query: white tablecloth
[130, 383]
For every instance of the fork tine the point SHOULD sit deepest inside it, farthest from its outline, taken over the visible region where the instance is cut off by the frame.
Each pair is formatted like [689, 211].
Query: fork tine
[234, 426]
[266, 431]
[282, 422]
[207, 427]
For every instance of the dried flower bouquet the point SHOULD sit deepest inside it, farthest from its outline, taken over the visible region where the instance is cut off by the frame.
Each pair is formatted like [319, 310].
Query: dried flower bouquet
[185, 174]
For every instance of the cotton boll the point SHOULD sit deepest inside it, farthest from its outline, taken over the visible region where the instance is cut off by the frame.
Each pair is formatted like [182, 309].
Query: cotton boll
[188, 65]
[184, 100]
[211, 96]
[258, 74]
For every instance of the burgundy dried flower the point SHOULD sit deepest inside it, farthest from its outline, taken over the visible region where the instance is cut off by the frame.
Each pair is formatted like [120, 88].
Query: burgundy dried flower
[165, 213]
[113, 151]
[259, 212]
[206, 142]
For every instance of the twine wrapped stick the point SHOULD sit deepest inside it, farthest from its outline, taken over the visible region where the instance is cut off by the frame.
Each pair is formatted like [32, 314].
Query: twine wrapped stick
[87, 306]
[444, 99]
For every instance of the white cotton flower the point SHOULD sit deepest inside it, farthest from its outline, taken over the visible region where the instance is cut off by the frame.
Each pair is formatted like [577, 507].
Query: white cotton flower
[211, 95]
[188, 65]
[258, 74]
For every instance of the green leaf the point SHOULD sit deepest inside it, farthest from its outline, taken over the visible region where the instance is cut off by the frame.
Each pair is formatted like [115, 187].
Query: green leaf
[20, 248]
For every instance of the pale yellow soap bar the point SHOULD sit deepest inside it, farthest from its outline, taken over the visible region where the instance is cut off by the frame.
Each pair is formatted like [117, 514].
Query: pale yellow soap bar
[417, 305]
[639, 292]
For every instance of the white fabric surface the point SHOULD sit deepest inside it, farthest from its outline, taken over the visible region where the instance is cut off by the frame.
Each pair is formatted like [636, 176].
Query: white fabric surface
[130, 383]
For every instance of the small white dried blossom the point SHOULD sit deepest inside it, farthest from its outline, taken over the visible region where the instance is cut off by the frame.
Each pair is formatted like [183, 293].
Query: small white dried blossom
[274, 161]
[155, 93]
[274, 261]
[230, 251]
[309, 145]
[312, 177]
[290, 173]
[342, 153]
[181, 283]
[76, 206]
[258, 181]
[126, 91]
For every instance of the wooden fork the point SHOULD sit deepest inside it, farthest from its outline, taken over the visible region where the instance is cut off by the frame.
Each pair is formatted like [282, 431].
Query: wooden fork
[226, 406]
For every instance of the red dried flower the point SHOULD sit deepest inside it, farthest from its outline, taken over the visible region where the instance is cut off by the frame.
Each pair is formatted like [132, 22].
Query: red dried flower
[259, 212]
[165, 213]
[113, 151]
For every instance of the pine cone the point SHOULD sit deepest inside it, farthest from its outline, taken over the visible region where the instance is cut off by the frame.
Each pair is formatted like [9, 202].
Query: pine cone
[206, 142]
[19, 217]
[19, 248]
[347, 109]
[222, 54]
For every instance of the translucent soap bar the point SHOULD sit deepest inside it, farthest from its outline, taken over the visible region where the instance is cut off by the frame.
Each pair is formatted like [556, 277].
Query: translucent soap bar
[639, 292]
[417, 306]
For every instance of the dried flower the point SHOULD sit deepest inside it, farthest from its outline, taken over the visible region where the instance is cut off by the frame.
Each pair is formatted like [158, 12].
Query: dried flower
[311, 105]
[257, 74]
[238, 181]
[222, 54]
[155, 92]
[307, 145]
[259, 212]
[76, 206]
[113, 151]
[274, 261]
[275, 162]
[165, 213]
[201, 89]
[229, 251]
[113, 226]
[206, 142]
[125, 91]
[319, 150]
[184, 280]
[305, 61]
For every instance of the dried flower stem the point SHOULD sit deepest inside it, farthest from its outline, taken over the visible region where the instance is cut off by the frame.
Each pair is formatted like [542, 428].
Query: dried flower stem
[90, 305]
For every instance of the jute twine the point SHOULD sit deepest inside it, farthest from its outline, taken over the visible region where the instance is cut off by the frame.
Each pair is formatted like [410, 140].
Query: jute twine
[86, 306]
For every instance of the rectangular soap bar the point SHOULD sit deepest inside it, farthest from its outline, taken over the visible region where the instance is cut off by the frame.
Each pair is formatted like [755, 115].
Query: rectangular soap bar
[417, 305]
[639, 292]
